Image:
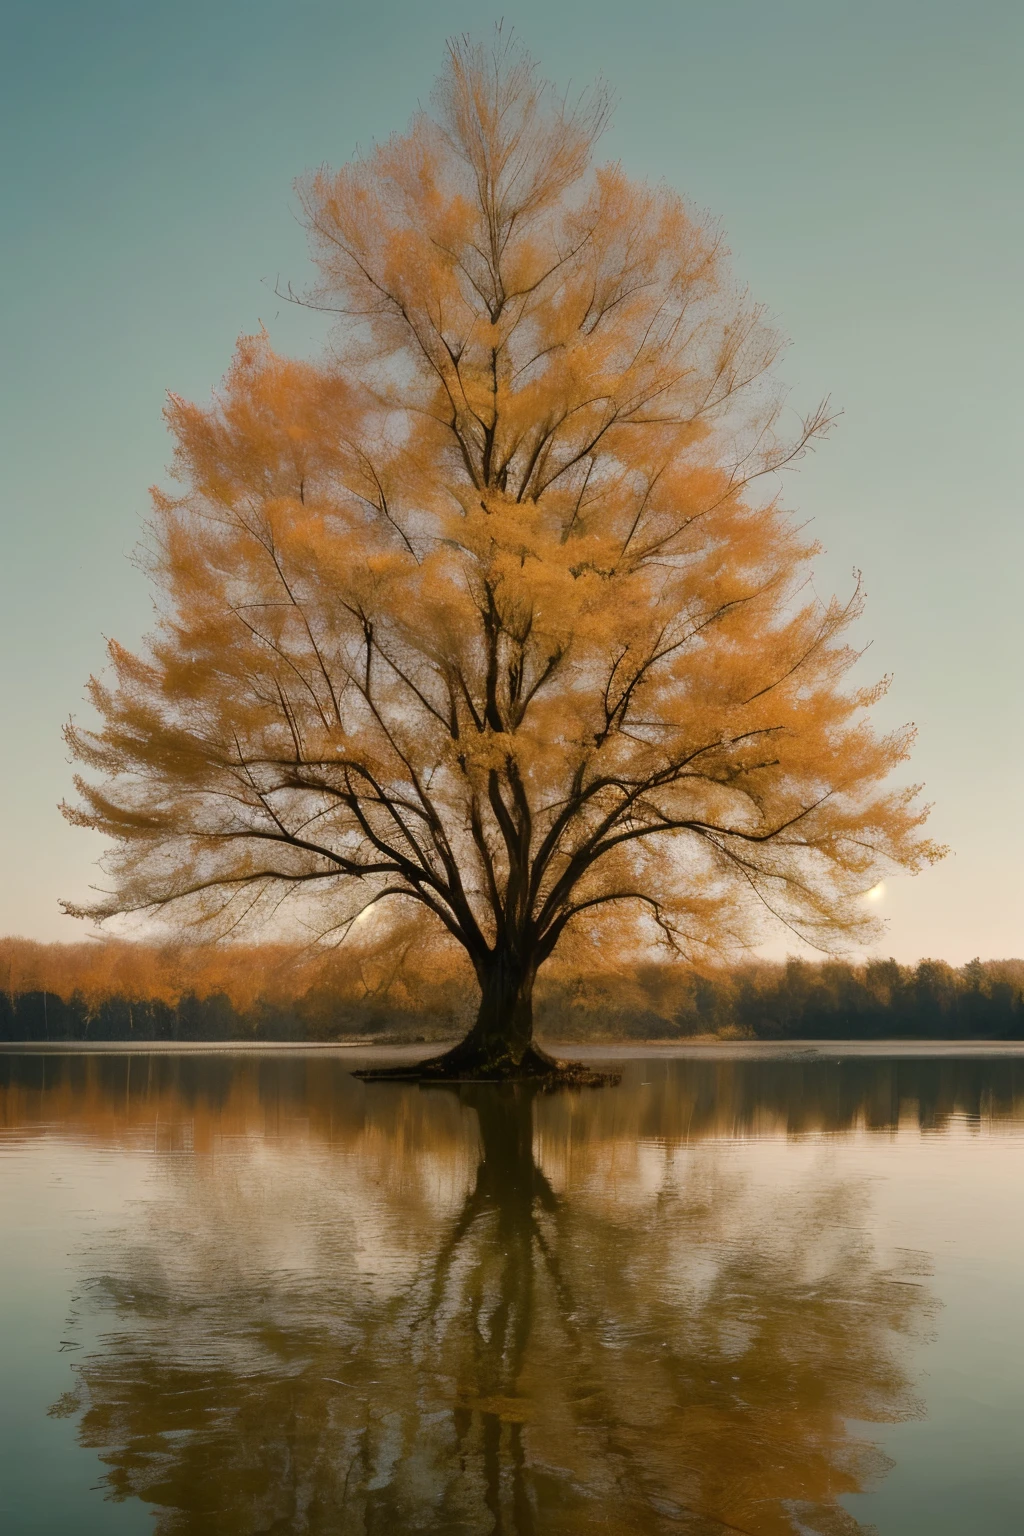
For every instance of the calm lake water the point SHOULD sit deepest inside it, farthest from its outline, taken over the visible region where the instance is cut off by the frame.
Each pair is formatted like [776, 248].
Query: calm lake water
[744, 1291]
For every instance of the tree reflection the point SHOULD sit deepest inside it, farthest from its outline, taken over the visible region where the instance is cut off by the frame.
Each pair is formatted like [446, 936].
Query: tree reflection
[383, 1339]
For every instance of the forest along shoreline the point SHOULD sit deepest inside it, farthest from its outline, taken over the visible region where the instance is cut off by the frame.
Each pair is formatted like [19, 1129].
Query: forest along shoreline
[134, 993]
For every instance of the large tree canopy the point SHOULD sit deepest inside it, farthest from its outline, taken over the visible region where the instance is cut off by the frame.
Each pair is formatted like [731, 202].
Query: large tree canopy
[487, 610]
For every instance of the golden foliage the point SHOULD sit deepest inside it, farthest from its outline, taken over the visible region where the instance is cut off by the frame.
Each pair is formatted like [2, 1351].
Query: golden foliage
[483, 610]
[391, 977]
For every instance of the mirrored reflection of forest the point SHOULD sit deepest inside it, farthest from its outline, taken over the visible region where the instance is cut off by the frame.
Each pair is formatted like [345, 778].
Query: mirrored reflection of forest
[370, 1309]
[197, 1100]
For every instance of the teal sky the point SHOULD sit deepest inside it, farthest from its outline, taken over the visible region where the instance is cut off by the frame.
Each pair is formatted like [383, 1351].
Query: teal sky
[865, 159]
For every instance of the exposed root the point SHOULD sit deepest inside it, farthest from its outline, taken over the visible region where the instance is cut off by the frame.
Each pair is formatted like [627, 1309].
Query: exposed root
[462, 1065]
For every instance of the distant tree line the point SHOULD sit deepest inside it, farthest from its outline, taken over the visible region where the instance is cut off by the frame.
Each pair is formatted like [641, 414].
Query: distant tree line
[46, 1016]
[147, 992]
[882, 999]
[119, 990]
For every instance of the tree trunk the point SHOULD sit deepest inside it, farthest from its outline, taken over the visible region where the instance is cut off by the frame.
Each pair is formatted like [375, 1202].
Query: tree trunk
[500, 1045]
[501, 1040]
[504, 1021]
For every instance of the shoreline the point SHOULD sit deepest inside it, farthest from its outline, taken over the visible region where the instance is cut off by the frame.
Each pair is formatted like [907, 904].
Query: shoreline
[707, 1047]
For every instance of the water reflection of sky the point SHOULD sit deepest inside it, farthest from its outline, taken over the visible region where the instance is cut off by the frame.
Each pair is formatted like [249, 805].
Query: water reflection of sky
[721, 1296]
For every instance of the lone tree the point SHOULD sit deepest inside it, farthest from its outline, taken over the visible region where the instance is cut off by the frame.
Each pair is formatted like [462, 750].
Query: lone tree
[484, 611]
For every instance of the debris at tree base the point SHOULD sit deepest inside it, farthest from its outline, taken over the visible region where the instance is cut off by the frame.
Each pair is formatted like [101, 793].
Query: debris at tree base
[534, 1067]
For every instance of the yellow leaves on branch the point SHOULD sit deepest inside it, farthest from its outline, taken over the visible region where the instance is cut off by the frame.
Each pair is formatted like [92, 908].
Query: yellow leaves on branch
[485, 611]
